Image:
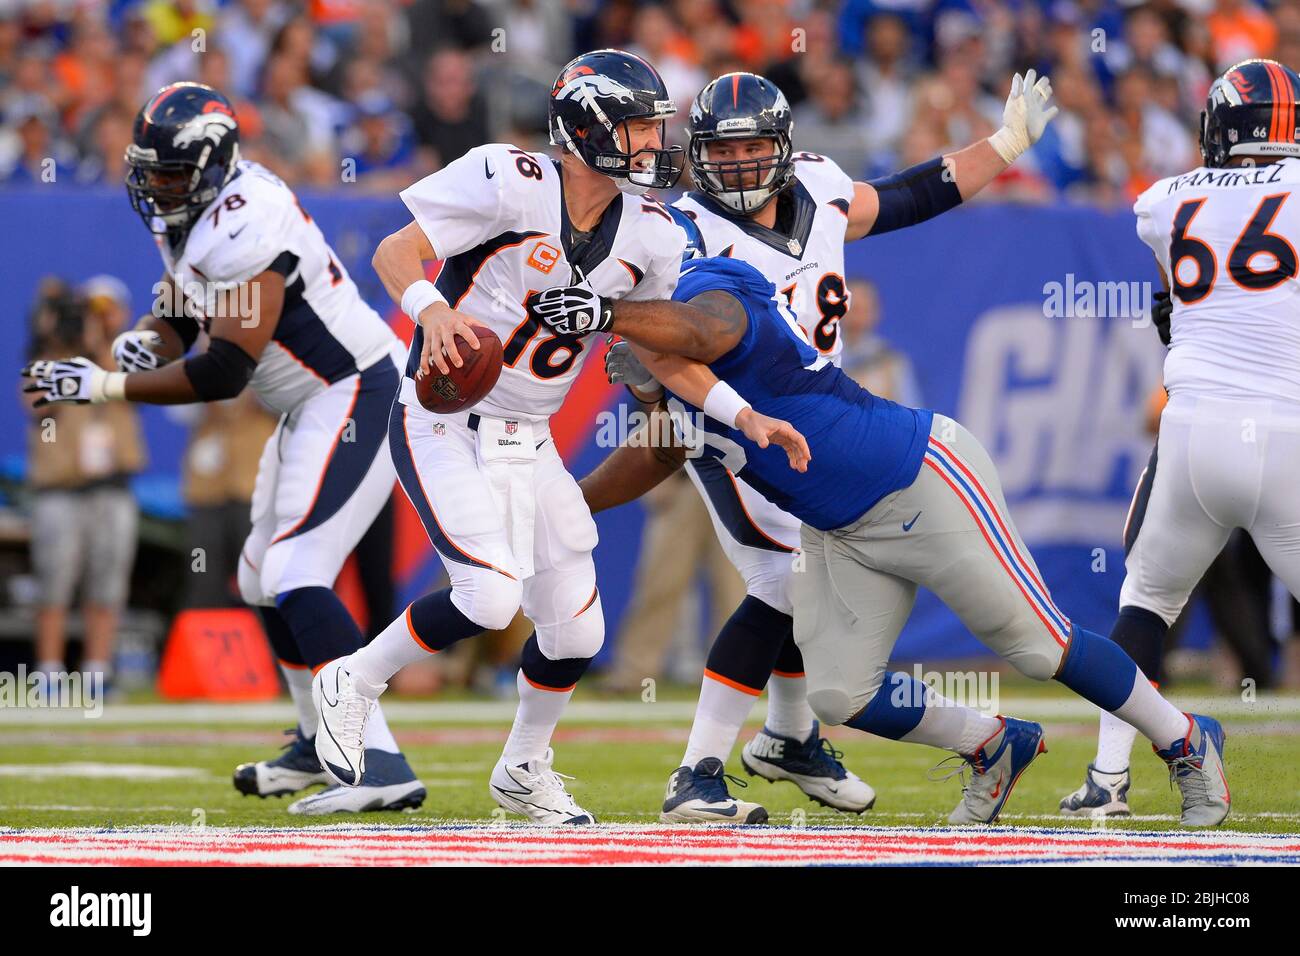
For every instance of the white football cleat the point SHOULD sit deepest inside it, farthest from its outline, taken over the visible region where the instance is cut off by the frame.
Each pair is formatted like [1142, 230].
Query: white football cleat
[536, 791]
[343, 711]
[812, 765]
[1101, 795]
[297, 768]
[700, 795]
[388, 784]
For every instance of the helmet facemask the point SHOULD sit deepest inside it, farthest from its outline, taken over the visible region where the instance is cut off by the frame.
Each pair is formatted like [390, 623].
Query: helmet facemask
[603, 147]
[745, 185]
[173, 207]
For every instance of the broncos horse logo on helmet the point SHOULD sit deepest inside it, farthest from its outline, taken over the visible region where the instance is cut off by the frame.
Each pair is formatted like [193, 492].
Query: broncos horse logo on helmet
[593, 98]
[184, 149]
[742, 106]
[1251, 111]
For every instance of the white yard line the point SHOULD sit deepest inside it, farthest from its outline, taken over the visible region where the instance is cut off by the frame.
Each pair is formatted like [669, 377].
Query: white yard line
[579, 712]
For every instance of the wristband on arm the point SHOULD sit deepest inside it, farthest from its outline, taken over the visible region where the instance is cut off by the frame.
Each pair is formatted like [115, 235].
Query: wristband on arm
[419, 295]
[724, 404]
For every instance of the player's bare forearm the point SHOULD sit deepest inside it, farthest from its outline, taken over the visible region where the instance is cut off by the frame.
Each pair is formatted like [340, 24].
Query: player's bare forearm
[399, 259]
[169, 385]
[631, 471]
[688, 379]
[692, 382]
[974, 167]
[705, 329]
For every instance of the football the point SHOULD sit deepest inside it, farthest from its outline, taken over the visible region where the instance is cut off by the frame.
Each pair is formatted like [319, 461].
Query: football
[463, 387]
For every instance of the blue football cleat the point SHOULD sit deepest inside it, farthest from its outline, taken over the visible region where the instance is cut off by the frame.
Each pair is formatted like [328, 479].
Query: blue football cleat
[295, 769]
[388, 783]
[813, 765]
[995, 767]
[700, 795]
[1101, 795]
[1196, 765]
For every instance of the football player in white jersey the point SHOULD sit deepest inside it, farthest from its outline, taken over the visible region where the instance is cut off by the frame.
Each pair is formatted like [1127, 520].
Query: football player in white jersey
[505, 516]
[1225, 237]
[788, 214]
[247, 267]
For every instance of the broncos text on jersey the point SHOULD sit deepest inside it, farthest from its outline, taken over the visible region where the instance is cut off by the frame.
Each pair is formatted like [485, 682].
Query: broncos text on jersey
[806, 264]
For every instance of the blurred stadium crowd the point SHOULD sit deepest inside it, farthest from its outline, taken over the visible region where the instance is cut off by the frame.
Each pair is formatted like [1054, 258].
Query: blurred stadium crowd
[375, 93]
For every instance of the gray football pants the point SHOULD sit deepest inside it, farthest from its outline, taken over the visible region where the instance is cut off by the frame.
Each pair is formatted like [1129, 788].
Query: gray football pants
[948, 531]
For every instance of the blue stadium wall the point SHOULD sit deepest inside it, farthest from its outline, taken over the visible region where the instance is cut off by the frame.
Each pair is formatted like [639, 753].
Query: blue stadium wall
[1057, 399]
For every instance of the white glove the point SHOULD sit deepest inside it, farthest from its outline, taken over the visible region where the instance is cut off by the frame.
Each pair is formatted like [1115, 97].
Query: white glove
[571, 310]
[76, 380]
[1025, 116]
[623, 367]
[134, 351]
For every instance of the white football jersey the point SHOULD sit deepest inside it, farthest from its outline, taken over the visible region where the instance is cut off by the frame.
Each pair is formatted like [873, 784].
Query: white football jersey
[326, 331]
[1227, 240]
[497, 218]
[807, 265]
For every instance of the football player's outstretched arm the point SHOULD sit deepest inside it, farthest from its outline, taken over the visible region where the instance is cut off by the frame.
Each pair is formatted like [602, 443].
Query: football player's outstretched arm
[399, 261]
[697, 384]
[933, 187]
[235, 340]
[707, 328]
[633, 469]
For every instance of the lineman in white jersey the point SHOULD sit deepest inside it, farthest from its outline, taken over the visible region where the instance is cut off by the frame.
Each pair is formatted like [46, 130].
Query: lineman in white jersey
[247, 267]
[505, 516]
[788, 214]
[1225, 237]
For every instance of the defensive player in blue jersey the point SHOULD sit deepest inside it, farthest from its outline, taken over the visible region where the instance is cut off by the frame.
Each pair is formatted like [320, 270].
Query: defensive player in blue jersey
[891, 498]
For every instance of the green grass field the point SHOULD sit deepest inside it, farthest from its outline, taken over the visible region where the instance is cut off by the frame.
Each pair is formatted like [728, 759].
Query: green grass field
[144, 766]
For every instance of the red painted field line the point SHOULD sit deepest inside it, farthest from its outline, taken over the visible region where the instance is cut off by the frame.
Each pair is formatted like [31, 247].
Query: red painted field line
[722, 840]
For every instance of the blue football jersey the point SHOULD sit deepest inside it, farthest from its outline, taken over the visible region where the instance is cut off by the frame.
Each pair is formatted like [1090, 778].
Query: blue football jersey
[863, 446]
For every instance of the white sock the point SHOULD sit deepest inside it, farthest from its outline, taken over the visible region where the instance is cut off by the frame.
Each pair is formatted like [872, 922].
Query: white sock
[720, 714]
[1114, 744]
[788, 713]
[539, 711]
[378, 736]
[951, 726]
[1160, 721]
[50, 667]
[299, 681]
[391, 650]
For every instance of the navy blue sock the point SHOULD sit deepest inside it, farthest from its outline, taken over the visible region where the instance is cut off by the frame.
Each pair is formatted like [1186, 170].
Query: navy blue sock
[280, 637]
[320, 623]
[1097, 669]
[437, 623]
[541, 671]
[896, 709]
[1141, 635]
[747, 648]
